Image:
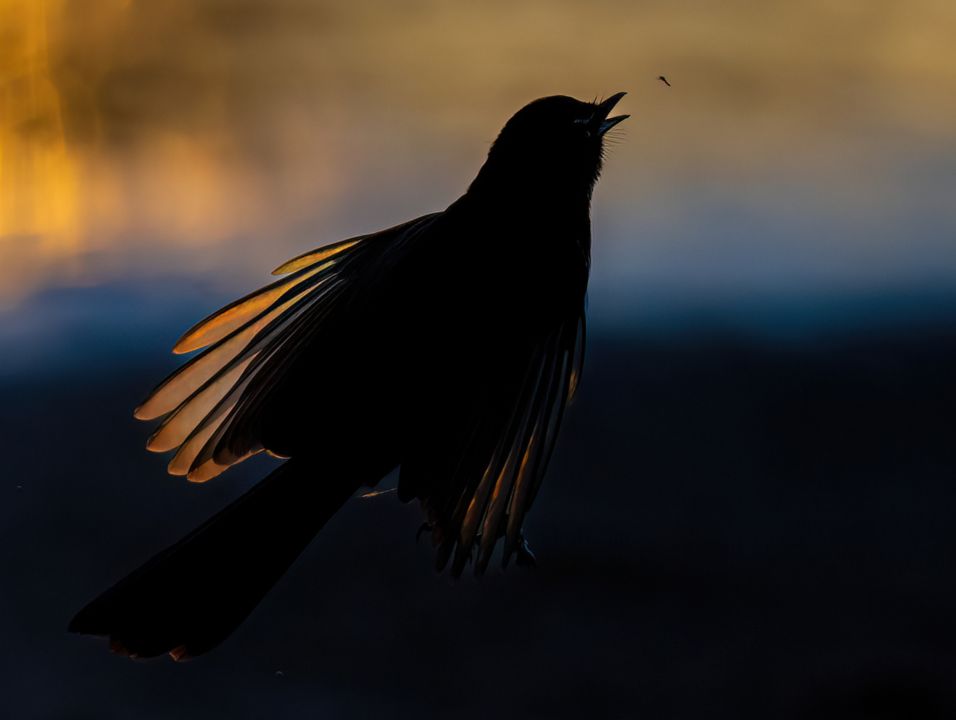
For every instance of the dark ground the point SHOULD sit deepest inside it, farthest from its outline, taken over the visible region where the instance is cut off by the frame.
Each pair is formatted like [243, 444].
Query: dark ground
[731, 528]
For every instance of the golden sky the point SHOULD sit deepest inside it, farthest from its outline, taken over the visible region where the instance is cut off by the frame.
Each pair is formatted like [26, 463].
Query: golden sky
[189, 136]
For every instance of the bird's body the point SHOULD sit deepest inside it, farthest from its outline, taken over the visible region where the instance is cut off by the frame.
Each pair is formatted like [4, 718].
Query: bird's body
[438, 324]
[448, 345]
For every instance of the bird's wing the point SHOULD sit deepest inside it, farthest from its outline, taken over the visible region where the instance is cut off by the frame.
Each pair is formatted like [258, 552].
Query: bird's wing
[478, 474]
[207, 406]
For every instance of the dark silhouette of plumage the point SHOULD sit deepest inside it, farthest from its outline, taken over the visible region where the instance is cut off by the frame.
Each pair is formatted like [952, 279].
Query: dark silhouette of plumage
[448, 345]
[663, 80]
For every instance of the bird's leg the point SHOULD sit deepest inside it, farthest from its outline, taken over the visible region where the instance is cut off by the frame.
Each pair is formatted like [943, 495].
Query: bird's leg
[523, 555]
[475, 544]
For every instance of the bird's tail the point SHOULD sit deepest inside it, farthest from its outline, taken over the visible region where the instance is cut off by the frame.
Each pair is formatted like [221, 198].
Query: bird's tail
[190, 597]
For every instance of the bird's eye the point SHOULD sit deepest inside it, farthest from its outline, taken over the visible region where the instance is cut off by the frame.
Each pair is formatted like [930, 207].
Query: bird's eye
[586, 124]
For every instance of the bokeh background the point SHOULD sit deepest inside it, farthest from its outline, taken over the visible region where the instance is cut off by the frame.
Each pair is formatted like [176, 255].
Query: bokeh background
[750, 512]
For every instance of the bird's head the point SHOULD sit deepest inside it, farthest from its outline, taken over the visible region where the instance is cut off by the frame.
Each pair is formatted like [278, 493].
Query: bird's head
[553, 145]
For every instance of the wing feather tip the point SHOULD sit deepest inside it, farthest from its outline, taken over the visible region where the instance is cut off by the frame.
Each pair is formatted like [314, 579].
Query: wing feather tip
[157, 444]
[205, 471]
[186, 344]
[175, 469]
[144, 413]
[311, 257]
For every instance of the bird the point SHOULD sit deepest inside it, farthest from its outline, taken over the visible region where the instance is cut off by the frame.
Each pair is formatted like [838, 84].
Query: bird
[448, 346]
[663, 80]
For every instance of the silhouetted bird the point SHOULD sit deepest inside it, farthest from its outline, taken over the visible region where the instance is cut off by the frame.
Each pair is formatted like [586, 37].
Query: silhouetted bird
[448, 345]
[663, 80]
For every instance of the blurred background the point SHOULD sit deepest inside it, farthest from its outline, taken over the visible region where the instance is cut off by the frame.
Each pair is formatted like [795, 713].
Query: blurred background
[750, 512]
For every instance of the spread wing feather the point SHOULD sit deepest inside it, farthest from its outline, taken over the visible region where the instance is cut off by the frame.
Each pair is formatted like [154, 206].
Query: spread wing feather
[505, 455]
[208, 406]
[262, 318]
[237, 313]
[224, 445]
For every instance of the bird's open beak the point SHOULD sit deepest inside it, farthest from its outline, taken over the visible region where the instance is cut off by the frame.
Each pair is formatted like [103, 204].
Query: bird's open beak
[605, 123]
